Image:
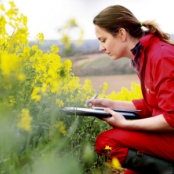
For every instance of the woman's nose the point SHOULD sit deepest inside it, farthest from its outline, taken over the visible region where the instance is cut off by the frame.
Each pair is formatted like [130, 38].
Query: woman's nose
[101, 48]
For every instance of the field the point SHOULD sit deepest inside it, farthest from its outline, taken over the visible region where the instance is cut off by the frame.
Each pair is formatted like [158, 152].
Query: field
[99, 65]
[98, 68]
[115, 82]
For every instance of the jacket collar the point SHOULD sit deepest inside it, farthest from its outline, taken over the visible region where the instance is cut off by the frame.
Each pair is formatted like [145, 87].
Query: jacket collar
[145, 42]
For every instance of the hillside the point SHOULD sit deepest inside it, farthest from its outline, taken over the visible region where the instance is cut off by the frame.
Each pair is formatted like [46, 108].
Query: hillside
[99, 65]
[88, 61]
[87, 47]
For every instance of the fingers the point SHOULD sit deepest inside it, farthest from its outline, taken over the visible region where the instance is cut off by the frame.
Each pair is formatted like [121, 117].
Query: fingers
[117, 119]
[99, 102]
[88, 102]
[93, 102]
[108, 119]
[109, 111]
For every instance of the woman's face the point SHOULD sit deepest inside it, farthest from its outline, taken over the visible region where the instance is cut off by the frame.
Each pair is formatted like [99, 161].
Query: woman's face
[114, 46]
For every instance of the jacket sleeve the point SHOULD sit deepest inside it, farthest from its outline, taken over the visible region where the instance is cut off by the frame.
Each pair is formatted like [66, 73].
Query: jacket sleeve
[163, 73]
[141, 105]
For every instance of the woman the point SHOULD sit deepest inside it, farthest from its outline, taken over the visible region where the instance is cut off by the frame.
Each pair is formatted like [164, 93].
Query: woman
[143, 145]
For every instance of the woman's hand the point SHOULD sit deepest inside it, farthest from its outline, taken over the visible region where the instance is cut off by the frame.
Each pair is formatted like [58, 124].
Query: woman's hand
[152, 124]
[101, 102]
[106, 103]
[117, 120]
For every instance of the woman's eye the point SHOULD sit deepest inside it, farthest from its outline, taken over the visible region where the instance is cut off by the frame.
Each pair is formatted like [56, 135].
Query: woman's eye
[102, 41]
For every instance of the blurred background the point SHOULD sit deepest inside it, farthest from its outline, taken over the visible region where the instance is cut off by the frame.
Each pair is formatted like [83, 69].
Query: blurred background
[52, 18]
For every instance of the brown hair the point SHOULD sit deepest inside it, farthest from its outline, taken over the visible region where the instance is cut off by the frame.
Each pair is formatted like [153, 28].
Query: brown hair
[115, 17]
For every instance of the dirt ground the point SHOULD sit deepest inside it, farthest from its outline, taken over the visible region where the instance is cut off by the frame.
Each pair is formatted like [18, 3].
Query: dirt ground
[115, 82]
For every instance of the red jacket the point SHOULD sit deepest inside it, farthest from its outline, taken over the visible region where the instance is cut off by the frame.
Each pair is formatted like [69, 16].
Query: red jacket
[157, 79]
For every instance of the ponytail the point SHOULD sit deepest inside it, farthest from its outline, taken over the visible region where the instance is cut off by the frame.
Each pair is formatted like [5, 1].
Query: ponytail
[152, 27]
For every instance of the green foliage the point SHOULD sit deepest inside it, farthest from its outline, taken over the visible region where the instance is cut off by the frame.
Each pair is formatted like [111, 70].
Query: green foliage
[35, 135]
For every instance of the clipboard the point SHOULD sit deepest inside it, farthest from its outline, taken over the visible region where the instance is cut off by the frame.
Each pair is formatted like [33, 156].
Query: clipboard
[118, 110]
[99, 112]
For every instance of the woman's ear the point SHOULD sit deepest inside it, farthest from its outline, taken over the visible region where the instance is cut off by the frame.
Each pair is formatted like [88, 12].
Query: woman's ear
[122, 34]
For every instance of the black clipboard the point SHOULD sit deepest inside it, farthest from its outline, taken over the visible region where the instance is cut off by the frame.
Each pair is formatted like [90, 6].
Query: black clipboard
[100, 113]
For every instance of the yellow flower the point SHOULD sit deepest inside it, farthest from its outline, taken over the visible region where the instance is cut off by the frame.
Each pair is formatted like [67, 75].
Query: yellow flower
[2, 7]
[67, 64]
[26, 52]
[2, 24]
[114, 163]
[87, 84]
[35, 47]
[54, 49]
[66, 40]
[21, 35]
[35, 95]
[12, 12]
[73, 22]
[105, 86]
[54, 86]
[12, 4]
[10, 63]
[21, 77]
[23, 19]
[44, 88]
[40, 37]
[59, 103]
[11, 100]
[61, 127]
[108, 148]
[25, 122]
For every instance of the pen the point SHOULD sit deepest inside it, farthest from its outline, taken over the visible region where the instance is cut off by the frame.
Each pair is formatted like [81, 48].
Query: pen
[88, 102]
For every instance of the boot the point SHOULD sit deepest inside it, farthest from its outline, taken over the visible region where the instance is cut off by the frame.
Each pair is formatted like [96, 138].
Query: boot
[146, 164]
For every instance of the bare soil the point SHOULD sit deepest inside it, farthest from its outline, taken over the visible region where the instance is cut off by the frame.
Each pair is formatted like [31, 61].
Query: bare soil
[115, 82]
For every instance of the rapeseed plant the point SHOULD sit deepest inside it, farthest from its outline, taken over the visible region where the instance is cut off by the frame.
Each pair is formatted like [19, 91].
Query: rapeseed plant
[25, 120]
